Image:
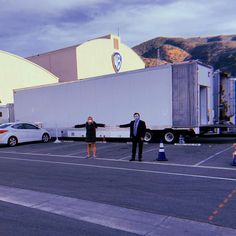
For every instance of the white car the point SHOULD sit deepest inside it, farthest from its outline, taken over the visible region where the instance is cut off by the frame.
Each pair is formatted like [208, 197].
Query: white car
[14, 133]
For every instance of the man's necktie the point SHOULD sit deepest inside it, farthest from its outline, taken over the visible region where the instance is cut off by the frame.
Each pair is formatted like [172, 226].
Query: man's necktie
[135, 127]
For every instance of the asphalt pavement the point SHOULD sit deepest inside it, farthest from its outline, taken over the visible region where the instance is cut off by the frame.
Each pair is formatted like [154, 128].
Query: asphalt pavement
[195, 190]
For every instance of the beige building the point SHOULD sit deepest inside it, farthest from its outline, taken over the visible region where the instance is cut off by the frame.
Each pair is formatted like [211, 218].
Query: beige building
[17, 72]
[101, 56]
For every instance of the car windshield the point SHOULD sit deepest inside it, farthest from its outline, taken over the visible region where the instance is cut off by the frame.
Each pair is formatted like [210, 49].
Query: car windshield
[3, 126]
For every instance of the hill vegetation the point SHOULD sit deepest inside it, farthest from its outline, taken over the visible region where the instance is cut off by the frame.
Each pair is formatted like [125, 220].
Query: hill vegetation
[218, 51]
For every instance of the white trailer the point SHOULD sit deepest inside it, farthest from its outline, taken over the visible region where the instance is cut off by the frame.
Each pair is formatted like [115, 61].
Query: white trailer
[171, 99]
[224, 97]
[6, 113]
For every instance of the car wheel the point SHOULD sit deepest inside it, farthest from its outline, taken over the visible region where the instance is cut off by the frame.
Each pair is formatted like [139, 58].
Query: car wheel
[12, 141]
[45, 138]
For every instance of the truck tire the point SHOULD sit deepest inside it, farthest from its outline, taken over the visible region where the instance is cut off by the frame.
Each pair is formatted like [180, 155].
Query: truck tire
[148, 136]
[12, 141]
[169, 136]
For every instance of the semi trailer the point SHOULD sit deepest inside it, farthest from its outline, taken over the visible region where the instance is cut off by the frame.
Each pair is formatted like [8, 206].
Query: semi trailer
[7, 113]
[172, 99]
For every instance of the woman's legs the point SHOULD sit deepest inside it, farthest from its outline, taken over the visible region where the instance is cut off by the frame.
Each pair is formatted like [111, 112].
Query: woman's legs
[94, 149]
[88, 149]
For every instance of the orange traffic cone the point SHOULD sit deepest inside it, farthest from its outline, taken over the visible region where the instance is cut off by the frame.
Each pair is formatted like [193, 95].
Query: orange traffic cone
[161, 154]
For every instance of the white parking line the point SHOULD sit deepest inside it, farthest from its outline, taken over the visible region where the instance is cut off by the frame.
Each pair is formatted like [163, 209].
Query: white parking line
[41, 154]
[120, 169]
[173, 164]
[47, 148]
[75, 153]
[81, 152]
[212, 156]
[124, 158]
[153, 149]
[125, 161]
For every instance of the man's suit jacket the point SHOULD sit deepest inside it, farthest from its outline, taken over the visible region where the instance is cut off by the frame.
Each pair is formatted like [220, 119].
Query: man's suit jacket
[141, 130]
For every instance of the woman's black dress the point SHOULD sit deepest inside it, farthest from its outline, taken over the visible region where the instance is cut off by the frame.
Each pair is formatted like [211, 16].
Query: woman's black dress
[90, 131]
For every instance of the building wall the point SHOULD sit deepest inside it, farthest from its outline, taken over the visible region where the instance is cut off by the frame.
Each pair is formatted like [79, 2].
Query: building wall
[61, 63]
[17, 72]
[90, 59]
[94, 58]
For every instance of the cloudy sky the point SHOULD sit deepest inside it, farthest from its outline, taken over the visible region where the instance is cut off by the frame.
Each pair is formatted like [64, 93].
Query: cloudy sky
[30, 27]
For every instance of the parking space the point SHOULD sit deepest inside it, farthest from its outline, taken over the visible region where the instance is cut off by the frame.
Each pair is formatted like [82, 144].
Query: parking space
[206, 160]
[205, 154]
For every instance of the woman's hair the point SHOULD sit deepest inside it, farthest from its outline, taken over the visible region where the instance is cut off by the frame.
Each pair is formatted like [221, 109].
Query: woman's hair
[90, 118]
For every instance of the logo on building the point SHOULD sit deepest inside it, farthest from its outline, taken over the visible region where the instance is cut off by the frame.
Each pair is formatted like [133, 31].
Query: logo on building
[116, 61]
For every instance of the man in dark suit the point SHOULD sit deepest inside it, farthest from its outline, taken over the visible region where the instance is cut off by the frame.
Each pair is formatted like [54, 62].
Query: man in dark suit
[137, 133]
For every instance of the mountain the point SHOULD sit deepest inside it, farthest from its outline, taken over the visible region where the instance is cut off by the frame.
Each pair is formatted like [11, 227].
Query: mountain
[218, 51]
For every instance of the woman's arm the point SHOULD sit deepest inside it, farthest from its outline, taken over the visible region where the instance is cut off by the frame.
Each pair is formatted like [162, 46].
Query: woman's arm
[80, 126]
[99, 124]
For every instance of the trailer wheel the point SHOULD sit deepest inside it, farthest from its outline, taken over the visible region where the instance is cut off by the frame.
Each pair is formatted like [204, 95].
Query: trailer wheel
[169, 136]
[148, 136]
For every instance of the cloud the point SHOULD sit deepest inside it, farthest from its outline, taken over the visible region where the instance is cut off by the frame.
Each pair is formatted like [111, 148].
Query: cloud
[30, 26]
[178, 18]
[45, 6]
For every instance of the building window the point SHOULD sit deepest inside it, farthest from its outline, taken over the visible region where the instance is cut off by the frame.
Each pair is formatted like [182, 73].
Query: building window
[0, 114]
[116, 43]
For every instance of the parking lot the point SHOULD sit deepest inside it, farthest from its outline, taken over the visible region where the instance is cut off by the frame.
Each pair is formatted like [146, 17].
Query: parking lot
[197, 183]
[196, 154]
